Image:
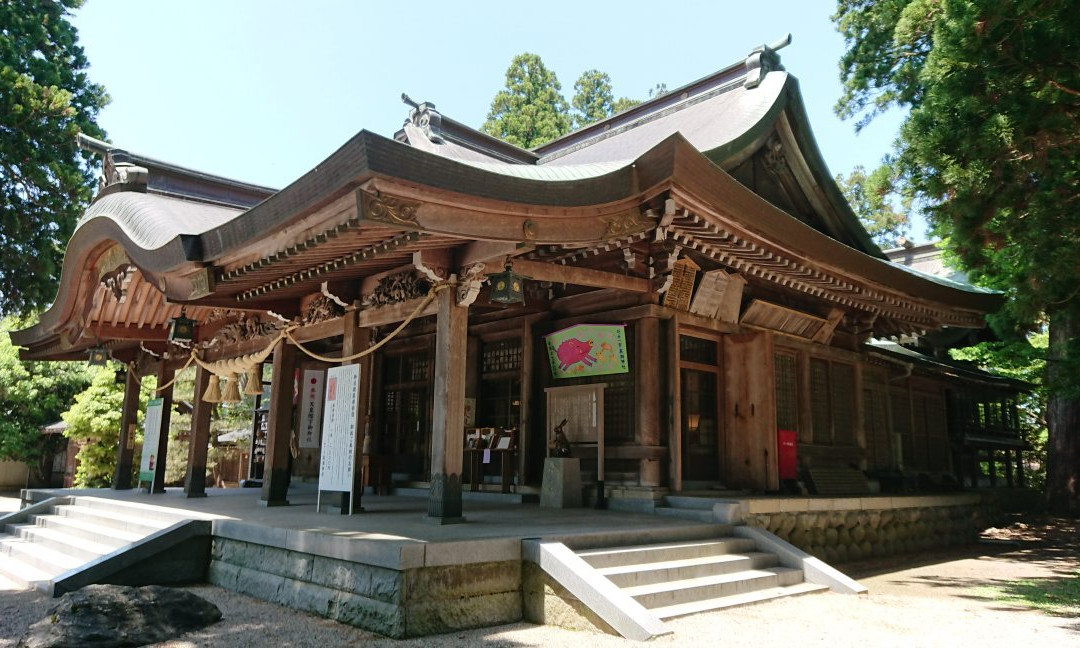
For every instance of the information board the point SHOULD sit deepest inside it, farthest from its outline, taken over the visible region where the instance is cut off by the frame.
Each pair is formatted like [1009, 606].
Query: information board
[151, 436]
[311, 407]
[338, 456]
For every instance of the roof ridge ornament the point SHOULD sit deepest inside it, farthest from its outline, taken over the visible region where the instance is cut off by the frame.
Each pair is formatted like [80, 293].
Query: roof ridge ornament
[762, 60]
[424, 116]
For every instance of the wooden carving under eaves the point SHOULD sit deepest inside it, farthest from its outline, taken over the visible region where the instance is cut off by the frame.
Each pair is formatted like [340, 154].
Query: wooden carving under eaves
[320, 309]
[682, 284]
[719, 296]
[244, 329]
[395, 289]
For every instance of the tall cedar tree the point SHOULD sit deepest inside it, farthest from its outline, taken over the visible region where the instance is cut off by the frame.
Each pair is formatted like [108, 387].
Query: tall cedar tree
[593, 99]
[990, 148]
[530, 110]
[870, 197]
[45, 181]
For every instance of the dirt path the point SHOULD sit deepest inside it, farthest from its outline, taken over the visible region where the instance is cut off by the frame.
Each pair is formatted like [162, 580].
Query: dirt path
[947, 598]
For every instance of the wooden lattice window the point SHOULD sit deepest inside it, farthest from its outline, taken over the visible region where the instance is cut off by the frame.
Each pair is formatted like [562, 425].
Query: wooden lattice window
[787, 391]
[901, 426]
[819, 401]
[698, 350]
[843, 403]
[502, 355]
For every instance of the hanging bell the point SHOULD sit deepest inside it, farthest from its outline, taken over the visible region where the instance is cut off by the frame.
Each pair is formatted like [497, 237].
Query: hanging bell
[213, 390]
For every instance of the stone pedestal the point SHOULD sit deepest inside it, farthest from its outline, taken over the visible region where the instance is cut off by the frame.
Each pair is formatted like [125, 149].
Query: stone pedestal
[562, 483]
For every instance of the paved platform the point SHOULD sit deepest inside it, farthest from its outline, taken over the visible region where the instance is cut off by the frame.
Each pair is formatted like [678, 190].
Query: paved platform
[386, 517]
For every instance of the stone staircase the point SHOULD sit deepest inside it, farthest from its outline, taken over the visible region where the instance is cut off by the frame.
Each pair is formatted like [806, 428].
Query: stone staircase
[672, 579]
[39, 545]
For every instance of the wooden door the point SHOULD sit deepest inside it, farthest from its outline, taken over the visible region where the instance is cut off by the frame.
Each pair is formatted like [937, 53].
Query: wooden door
[750, 412]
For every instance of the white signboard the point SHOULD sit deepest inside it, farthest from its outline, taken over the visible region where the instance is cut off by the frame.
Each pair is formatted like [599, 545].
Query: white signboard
[337, 458]
[311, 407]
[151, 436]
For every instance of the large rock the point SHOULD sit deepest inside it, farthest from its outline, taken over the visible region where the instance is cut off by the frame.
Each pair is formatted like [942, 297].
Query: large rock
[104, 616]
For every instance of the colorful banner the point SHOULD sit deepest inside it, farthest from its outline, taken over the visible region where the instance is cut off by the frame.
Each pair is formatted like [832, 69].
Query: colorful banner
[151, 436]
[588, 350]
[311, 402]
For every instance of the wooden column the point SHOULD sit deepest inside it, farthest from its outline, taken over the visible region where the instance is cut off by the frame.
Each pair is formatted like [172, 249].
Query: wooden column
[164, 375]
[357, 339]
[647, 392]
[674, 395]
[991, 462]
[1008, 455]
[525, 431]
[125, 449]
[1021, 480]
[275, 489]
[195, 480]
[447, 437]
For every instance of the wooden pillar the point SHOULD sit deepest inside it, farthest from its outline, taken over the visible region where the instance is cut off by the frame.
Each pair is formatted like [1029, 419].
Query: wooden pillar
[125, 448]
[275, 489]
[357, 339]
[1021, 479]
[195, 480]
[647, 393]
[860, 416]
[674, 395]
[991, 461]
[164, 375]
[447, 438]
[1007, 456]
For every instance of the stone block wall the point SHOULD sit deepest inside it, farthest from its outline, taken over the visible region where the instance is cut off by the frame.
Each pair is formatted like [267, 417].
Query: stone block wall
[398, 603]
[863, 530]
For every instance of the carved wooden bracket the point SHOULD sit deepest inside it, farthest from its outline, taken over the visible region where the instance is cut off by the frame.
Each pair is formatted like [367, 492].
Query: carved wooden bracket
[469, 285]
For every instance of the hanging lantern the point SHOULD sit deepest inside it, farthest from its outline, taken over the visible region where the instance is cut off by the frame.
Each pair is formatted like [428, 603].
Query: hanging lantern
[120, 376]
[97, 356]
[506, 287]
[181, 328]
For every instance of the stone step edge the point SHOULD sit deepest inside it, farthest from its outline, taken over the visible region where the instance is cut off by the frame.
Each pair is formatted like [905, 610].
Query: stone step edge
[707, 581]
[716, 559]
[660, 546]
[735, 600]
[85, 512]
[67, 522]
[23, 575]
[33, 532]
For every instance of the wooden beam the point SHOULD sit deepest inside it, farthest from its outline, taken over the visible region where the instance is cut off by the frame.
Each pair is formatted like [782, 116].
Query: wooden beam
[578, 276]
[123, 332]
[490, 252]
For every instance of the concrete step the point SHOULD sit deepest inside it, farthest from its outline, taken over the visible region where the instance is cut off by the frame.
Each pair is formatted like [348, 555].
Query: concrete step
[638, 554]
[678, 570]
[684, 502]
[747, 598]
[51, 538]
[76, 527]
[128, 522]
[15, 574]
[44, 559]
[698, 514]
[158, 515]
[671, 593]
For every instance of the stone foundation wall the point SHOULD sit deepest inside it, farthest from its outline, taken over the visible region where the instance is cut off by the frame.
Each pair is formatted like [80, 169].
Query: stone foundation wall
[844, 530]
[398, 603]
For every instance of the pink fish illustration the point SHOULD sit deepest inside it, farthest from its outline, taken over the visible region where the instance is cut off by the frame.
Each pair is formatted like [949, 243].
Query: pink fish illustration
[573, 351]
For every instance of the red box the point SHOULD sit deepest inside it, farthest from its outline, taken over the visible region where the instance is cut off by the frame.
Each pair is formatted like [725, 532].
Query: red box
[786, 456]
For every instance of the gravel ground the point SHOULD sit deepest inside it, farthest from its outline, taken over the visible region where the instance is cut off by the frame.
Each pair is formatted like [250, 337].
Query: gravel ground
[936, 602]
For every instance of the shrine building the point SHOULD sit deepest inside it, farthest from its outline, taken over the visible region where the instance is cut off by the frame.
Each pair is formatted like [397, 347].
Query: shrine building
[681, 289]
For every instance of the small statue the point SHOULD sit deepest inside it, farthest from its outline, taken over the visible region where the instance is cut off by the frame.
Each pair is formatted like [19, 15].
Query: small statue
[561, 444]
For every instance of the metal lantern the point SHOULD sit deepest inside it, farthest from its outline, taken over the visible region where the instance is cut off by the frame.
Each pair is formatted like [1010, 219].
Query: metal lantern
[120, 376]
[506, 287]
[181, 328]
[97, 356]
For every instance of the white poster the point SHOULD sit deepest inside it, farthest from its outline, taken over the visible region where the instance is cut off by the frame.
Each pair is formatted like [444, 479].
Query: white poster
[311, 407]
[338, 453]
[151, 436]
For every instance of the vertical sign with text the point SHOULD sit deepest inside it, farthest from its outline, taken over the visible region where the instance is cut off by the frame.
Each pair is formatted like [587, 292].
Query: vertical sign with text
[338, 455]
[151, 436]
[311, 407]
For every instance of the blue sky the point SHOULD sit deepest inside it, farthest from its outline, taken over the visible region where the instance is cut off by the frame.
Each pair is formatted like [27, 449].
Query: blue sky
[263, 90]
